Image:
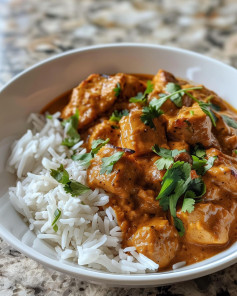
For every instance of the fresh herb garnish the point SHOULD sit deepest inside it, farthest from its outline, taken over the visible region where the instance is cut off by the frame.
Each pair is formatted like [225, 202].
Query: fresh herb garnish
[70, 125]
[141, 98]
[117, 90]
[202, 165]
[49, 116]
[199, 151]
[70, 186]
[148, 114]
[229, 121]
[109, 162]
[191, 112]
[57, 215]
[153, 110]
[175, 98]
[86, 158]
[117, 115]
[235, 151]
[177, 182]
[167, 156]
[206, 108]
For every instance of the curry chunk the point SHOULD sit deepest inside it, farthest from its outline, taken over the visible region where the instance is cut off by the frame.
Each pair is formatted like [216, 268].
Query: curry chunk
[139, 137]
[194, 127]
[158, 240]
[208, 224]
[104, 130]
[92, 97]
[227, 136]
[121, 181]
[224, 171]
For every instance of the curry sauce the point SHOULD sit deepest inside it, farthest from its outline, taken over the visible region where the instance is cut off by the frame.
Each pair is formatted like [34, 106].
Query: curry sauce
[194, 118]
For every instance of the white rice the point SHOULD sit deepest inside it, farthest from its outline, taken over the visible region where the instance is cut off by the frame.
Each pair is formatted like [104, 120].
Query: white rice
[86, 235]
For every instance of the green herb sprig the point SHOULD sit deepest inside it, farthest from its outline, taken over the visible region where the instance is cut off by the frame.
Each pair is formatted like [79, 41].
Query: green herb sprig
[141, 98]
[57, 215]
[109, 162]
[117, 115]
[85, 158]
[117, 90]
[70, 186]
[167, 156]
[70, 125]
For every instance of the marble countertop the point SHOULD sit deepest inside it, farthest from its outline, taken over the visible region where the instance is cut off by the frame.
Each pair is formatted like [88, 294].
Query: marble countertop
[33, 30]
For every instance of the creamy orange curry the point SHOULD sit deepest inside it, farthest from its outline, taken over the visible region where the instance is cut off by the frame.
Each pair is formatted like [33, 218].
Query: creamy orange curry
[167, 155]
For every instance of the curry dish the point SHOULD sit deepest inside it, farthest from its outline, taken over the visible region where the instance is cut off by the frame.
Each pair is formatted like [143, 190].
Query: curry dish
[167, 158]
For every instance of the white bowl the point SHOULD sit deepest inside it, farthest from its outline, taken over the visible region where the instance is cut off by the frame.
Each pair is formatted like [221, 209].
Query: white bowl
[35, 87]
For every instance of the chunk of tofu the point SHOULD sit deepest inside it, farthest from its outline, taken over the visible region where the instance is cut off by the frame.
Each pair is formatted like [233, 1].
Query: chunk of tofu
[224, 171]
[192, 127]
[139, 137]
[121, 181]
[208, 224]
[158, 240]
[104, 130]
[92, 97]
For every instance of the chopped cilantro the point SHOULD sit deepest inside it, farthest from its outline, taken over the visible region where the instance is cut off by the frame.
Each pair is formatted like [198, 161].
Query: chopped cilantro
[206, 108]
[148, 114]
[188, 205]
[116, 115]
[167, 157]
[176, 98]
[177, 182]
[75, 188]
[235, 151]
[57, 215]
[230, 121]
[191, 112]
[202, 165]
[60, 175]
[199, 151]
[141, 98]
[117, 90]
[86, 158]
[70, 186]
[70, 126]
[153, 110]
[49, 116]
[109, 162]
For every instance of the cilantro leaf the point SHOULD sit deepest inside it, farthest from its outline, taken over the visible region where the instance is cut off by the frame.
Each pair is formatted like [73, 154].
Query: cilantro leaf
[188, 205]
[179, 226]
[207, 110]
[177, 182]
[86, 158]
[199, 151]
[117, 90]
[70, 125]
[60, 175]
[116, 115]
[210, 163]
[109, 162]
[167, 156]
[141, 98]
[230, 121]
[153, 110]
[206, 107]
[75, 188]
[148, 114]
[70, 186]
[164, 163]
[57, 215]
[176, 98]
[98, 144]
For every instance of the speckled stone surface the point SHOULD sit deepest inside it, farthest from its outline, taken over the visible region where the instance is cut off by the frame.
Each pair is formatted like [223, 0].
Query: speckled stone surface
[32, 30]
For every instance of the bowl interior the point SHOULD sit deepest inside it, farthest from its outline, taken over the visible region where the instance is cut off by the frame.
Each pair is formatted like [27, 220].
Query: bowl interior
[33, 89]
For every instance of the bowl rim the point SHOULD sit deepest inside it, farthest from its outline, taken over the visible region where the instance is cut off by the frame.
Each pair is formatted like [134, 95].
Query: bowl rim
[107, 277]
